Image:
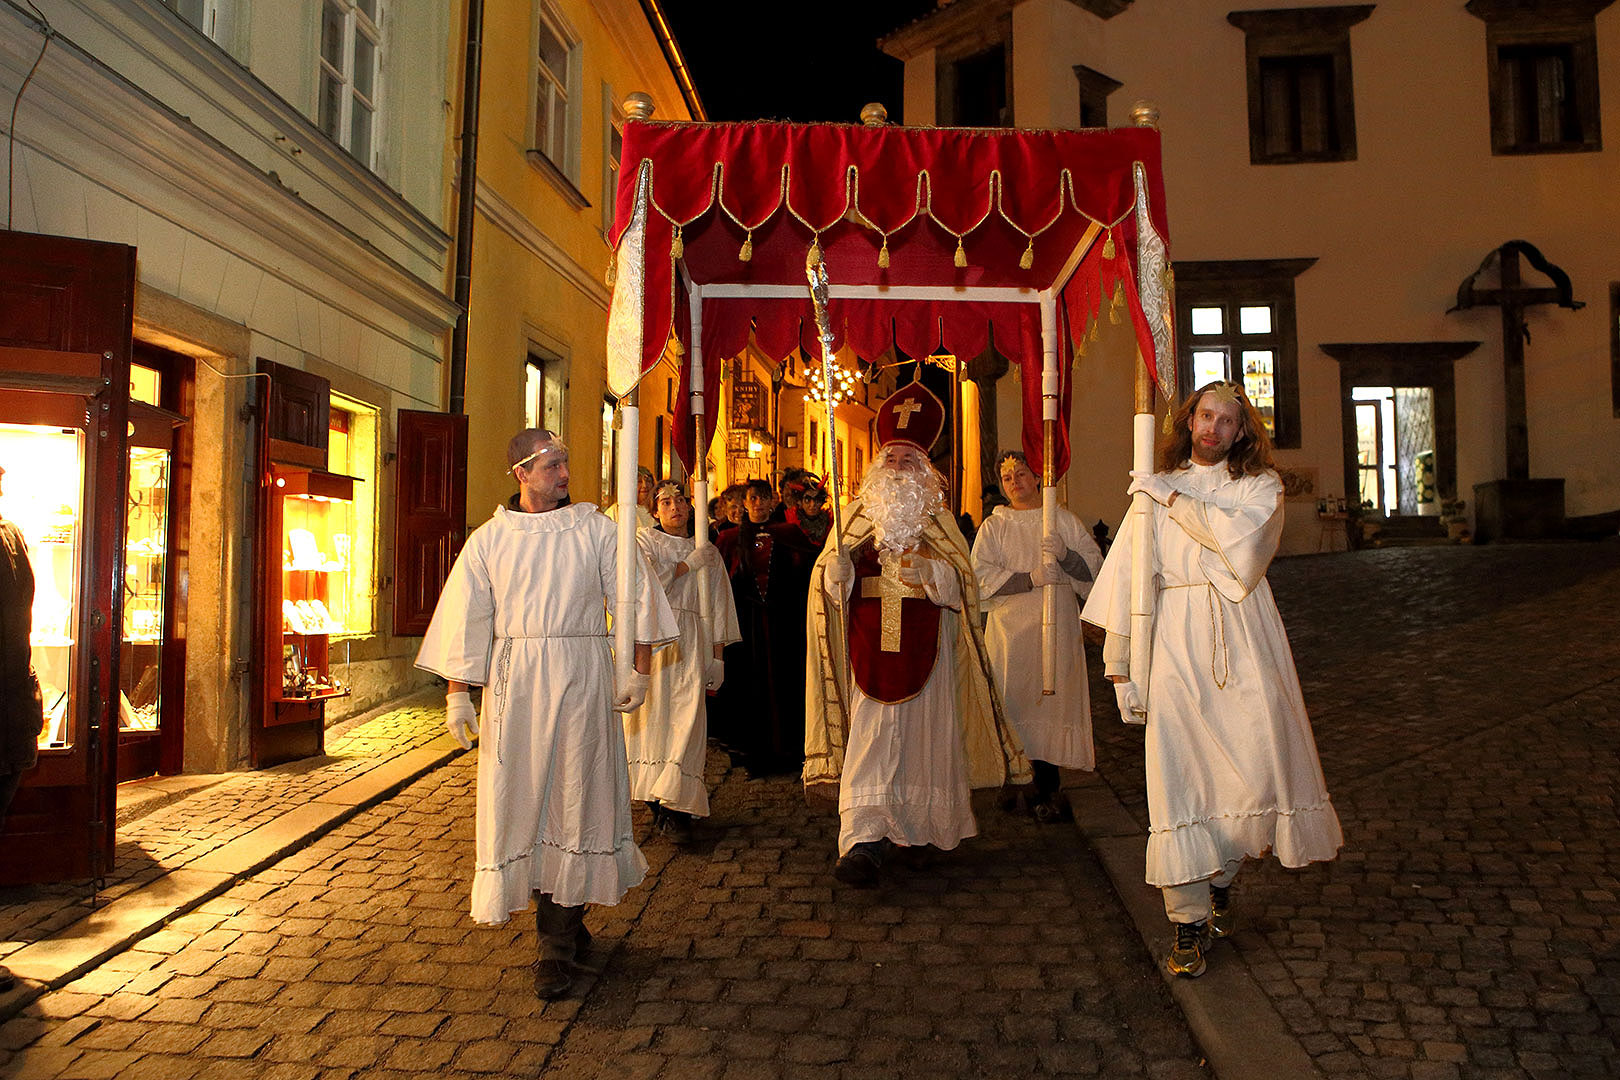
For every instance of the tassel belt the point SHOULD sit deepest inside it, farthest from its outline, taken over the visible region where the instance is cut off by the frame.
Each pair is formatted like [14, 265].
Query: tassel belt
[1219, 657]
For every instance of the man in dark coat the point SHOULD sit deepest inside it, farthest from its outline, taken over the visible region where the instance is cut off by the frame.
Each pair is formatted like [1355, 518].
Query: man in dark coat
[22, 715]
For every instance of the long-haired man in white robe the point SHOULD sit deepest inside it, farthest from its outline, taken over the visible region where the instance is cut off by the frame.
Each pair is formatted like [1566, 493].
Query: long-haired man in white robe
[524, 615]
[1013, 559]
[1232, 770]
[667, 737]
[901, 713]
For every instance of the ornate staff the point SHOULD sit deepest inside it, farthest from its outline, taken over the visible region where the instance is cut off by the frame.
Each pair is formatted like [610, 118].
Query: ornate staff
[817, 273]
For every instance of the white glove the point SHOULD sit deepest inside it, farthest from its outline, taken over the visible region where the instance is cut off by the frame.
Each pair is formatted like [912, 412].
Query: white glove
[840, 570]
[714, 673]
[704, 558]
[1055, 547]
[630, 697]
[1046, 572]
[459, 718]
[1131, 709]
[1156, 485]
[916, 575]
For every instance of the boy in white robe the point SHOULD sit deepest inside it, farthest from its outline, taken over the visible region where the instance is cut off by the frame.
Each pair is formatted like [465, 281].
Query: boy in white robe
[666, 739]
[1013, 559]
[1232, 770]
[524, 614]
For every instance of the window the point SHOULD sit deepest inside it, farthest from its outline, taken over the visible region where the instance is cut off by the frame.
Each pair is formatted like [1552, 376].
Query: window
[1094, 90]
[215, 18]
[351, 449]
[612, 154]
[556, 115]
[1235, 320]
[973, 78]
[1542, 73]
[1301, 98]
[543, 386]
[350, 75]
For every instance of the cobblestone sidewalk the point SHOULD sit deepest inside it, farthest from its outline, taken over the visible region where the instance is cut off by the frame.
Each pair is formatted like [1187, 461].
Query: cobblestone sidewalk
[174, 836]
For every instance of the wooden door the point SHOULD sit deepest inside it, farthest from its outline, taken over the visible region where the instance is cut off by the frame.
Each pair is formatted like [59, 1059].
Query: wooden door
[66, 311]
[430, 519]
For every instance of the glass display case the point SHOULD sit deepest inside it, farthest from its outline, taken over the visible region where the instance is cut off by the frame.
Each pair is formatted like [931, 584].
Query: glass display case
[312, 601]
[40, 494]
[146, 555]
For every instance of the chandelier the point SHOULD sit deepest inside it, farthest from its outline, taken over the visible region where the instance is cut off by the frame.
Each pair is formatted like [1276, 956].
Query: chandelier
[842, 388]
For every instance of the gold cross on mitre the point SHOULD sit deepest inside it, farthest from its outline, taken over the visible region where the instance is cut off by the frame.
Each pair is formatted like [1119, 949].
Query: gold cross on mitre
[904, 411]
[888, 588]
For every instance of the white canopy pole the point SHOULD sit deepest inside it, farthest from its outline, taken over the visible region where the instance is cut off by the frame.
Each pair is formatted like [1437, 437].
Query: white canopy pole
[1143, 593]
[700, 449]
[1049, 419]
[627, 445]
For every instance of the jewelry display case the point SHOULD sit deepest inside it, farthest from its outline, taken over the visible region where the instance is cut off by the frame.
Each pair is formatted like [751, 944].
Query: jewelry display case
[312, 513]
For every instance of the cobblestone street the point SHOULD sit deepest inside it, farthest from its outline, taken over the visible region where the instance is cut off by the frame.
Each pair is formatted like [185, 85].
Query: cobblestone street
[1465, 701]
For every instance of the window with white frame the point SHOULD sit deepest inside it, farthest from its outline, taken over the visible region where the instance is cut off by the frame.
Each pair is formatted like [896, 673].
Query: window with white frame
[351, 74]
[612, 154]
[215, 18]
[556, 92]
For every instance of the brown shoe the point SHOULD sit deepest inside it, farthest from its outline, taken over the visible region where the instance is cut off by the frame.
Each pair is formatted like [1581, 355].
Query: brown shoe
[552, 978]
[857, 867]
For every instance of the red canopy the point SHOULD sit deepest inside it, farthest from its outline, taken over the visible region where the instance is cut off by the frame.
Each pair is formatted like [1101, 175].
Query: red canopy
[931, 237]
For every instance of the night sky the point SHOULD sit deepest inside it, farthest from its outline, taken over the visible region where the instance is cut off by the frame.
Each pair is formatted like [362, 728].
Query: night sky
[813, 61]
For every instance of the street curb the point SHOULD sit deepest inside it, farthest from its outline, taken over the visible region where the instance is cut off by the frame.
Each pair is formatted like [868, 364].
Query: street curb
[1231, 1018]
[82, 946]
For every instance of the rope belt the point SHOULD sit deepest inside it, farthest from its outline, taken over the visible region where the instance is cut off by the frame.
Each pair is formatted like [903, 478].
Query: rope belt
[1217, 633]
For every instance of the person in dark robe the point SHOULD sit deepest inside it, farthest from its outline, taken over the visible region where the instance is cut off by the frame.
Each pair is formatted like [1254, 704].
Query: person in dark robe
[22, 713]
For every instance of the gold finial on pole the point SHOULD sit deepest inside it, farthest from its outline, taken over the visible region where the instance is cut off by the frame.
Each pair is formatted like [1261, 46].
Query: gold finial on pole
[873, 114]
[1145, 114]
[638, 105]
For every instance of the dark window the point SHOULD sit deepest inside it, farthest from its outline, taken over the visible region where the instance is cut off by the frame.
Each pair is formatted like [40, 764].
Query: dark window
[1235, 320]
[1542, 72]
[1301, 94]
[1538, 95]
[1094, 90]
[980, 98]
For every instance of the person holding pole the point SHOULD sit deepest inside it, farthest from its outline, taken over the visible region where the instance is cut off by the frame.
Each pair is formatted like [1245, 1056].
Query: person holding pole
[524, 614]
[1014, 557]
[901, 713]
[1232, 769]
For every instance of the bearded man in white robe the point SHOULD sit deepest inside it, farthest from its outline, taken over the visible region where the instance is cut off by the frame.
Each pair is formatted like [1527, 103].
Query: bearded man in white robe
[901, 713]
[1232, 769]
[667, 738]
[524, 614]
[1013, 559]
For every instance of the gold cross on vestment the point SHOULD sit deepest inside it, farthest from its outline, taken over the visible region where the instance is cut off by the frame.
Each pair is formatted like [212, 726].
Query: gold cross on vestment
[888, 588]
[904, 410]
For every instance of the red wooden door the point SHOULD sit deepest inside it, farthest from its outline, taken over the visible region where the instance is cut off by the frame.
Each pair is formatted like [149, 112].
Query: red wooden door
[430, 517]
[66, 310]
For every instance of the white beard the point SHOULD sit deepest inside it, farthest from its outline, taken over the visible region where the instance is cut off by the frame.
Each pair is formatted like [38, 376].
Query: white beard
[900, 504]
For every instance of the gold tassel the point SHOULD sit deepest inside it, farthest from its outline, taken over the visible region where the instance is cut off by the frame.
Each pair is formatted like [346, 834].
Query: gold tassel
[883, 255]
[813, 259]
[1027, 259]
[1094, 323]
[1116, 303]
[961, 256]
[677, 246]
[612, 274]
[1169, 425]
[747, 252]
[1108, 245]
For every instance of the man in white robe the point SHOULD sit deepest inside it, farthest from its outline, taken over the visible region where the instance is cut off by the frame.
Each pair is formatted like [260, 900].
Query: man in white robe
[1013, 559]
[900, 710]
[667, 738]
[1232, 769]
[524, 614]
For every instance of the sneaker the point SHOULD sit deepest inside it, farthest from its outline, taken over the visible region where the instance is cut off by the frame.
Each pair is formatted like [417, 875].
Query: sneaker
[1186, 959]
[552, 978]
[1220, 910]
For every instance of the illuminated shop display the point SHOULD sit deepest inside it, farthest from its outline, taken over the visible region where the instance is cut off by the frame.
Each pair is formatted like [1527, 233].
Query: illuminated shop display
[146, 558]
[317, 542]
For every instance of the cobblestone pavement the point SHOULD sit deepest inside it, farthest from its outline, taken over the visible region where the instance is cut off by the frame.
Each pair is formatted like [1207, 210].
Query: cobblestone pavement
[1466, 703]
[173, 836]
[741, 958]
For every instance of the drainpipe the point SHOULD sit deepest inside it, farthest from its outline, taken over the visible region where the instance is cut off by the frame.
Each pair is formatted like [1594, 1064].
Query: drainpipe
[465, 204]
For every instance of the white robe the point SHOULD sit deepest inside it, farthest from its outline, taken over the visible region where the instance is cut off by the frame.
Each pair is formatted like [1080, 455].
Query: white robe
[1232, 769]
[905, 772]
[524, 614]
[666, 739]
[1053, 727]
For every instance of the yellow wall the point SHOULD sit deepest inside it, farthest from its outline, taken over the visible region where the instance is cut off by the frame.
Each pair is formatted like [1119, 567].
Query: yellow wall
[538, 258]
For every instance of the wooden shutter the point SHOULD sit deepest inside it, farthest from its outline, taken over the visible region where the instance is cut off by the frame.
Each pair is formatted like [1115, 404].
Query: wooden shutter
[430, 513]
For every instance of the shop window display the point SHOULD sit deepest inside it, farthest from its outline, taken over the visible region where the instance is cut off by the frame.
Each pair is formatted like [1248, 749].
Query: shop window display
[317, 557]
[44, 476]
[145, 572]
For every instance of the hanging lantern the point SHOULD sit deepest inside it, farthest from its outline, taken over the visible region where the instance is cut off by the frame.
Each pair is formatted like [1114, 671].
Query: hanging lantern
[843, 385]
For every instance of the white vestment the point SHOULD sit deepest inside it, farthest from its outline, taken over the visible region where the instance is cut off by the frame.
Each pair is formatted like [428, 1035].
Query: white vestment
[524, 614]
[905, 774]
[1054, 727]
[666, 739]
[1232, 769]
